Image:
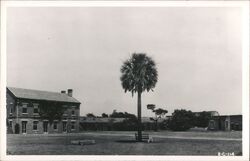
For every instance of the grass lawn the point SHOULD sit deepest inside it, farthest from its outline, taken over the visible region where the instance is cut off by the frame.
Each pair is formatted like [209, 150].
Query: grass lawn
[121, 143]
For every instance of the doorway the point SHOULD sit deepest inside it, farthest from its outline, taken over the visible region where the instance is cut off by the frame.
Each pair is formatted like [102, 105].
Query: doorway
[17, 128]
[24, 127]
[45, 126]
[64, 126]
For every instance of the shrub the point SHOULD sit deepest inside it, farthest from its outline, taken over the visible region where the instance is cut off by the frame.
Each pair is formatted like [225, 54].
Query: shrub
[182, 120]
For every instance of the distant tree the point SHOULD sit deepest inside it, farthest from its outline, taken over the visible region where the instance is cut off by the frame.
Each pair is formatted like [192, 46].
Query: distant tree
[90, 115]
[116, 114]
[181, 120]
[202, 119]
[105, 115]
[129, 115]
[139, 74]
[51, 111]
[159, 113]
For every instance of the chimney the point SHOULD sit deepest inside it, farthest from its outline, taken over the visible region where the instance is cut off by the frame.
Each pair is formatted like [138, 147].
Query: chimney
[70, 92]
[63, 91]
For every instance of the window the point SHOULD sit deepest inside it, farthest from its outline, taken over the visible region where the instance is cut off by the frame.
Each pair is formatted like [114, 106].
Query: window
[11, 110]
[24, 127]
[65, 113]
[24, 109]
[35, 109]
[30, 104]
[64, 126]
[35, 123]
[55, 125]
[10, 124]
[73, 112]
[72, 125]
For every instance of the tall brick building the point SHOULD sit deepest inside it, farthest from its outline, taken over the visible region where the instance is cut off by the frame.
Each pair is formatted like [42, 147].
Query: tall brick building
[23, 111]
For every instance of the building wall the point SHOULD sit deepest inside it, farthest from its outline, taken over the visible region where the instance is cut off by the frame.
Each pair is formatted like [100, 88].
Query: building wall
[236, 122]
[40, 129]
[10, 103]
[17, 117]
[226, 123]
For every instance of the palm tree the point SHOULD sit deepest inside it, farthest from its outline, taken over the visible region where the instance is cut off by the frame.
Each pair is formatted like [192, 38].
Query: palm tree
[139, 74]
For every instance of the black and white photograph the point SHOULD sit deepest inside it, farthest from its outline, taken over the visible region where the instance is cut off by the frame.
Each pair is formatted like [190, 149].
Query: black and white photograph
[97, 79]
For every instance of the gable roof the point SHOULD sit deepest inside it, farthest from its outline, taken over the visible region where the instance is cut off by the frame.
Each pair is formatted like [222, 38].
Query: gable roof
[41, 95]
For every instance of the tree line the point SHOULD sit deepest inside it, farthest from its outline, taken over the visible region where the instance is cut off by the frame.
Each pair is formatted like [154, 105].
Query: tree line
[181, 120]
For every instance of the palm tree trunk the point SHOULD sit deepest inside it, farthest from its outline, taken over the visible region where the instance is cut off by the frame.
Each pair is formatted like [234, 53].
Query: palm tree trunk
[139, 116]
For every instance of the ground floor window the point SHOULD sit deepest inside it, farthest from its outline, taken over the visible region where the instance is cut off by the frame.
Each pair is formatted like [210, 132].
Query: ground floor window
[10, 124]
[64, 126]
[73, 125]
[35, 123]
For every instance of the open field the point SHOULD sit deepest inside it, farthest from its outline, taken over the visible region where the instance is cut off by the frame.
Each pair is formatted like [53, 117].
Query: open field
[121, 143]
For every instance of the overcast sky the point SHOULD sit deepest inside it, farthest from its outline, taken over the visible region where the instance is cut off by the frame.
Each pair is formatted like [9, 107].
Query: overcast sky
[197, 52]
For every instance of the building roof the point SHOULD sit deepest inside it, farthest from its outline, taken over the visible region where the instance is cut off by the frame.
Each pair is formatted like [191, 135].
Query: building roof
[212, 113]
[41, 95]
[239, 115]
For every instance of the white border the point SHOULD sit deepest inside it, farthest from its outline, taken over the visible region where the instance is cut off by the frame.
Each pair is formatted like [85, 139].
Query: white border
[244, 5]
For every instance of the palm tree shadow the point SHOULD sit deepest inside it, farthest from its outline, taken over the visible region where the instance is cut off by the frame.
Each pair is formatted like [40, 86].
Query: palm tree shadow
[126, 141]
[135, 141]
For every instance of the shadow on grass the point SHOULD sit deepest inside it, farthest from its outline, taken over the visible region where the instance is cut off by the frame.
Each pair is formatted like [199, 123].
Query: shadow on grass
[126, 141]
[135, 141]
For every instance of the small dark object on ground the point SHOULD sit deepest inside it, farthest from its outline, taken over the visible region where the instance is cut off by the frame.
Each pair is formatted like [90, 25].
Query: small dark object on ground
[82, 142]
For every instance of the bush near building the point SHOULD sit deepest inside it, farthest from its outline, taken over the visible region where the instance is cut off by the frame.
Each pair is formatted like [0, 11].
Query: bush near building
[181, 120]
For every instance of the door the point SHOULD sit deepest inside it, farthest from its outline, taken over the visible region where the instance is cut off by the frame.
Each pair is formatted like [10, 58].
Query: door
[17, 128]
[24, 125]
[45, 126]
[64, 126]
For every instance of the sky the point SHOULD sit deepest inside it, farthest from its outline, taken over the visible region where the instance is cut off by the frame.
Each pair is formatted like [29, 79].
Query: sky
[197, 53]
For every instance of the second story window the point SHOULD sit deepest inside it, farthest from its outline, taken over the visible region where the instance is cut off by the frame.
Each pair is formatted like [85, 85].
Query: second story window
[24, 109]
[35, 109]
[11, 110]
[65, 113]
[73, 112]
